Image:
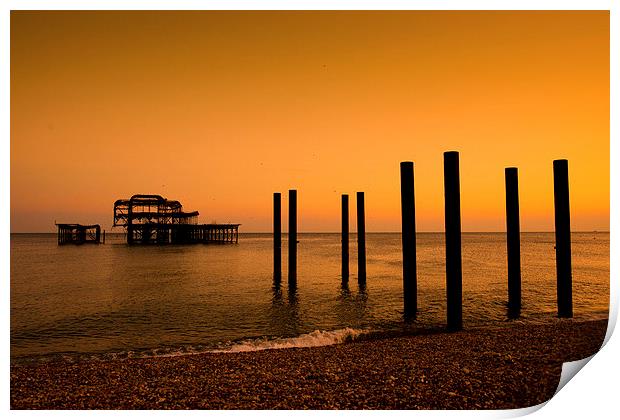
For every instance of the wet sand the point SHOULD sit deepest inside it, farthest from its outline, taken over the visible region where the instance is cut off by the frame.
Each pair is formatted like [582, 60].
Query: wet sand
[512, 366]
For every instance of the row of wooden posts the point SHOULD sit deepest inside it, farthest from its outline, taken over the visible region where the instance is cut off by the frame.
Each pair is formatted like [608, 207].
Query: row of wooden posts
[454, 290]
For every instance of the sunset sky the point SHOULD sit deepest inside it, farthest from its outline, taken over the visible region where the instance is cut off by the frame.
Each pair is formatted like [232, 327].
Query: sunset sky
[220, 109]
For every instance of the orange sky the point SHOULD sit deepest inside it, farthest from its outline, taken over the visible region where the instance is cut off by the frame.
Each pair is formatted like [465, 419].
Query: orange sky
[220, 109]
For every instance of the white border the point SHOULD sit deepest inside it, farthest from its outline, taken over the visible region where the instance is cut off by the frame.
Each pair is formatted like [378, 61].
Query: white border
[592, 394]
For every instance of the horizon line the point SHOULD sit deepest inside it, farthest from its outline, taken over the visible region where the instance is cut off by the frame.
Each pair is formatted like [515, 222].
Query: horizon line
[367, 232]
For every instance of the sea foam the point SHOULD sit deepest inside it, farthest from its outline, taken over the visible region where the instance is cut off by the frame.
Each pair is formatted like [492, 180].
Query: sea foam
[314, 339]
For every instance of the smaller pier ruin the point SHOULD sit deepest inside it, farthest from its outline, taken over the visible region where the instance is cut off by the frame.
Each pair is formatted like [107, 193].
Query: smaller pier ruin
[153, 219]
[73, 233]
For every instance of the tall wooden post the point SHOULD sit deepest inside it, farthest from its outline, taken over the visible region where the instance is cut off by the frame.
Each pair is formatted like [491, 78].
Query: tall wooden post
[562, 239]
[292, 236]
[361, 239]
[345, 238]
[454, 275]
[277, 236]
[513, 242]
[410, 282]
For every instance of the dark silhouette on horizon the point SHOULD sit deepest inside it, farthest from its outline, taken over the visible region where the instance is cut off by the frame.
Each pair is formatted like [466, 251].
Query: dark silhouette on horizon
[292, 237]
[562, 239]
[513, 242]
[454, 272]
[361, 239]
[410, 282]
[76, 234]
[153, 219]
[277, 237]
[345, 239]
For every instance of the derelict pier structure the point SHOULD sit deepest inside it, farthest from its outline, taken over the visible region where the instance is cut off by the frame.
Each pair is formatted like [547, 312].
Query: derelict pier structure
[73, 233]
[153, 219]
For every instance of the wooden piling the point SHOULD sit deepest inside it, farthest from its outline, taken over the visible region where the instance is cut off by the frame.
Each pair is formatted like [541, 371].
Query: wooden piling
[562, 239]
[454, 275]
[513, 242]
[292, 236]
[345, 238]
[410, 283]
[277, 236]
[361, 239]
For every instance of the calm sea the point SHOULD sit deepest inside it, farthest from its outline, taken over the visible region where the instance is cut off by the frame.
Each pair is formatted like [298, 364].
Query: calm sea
[114, 300]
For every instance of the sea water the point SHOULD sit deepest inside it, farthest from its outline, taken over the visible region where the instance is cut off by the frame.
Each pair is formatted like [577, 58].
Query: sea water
[115, 300]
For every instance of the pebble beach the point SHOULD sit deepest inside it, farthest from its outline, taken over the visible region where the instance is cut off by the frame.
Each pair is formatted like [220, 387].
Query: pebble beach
[512, 366]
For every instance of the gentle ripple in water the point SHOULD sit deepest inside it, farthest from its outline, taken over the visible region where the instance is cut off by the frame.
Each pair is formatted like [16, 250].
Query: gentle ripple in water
[114, 298]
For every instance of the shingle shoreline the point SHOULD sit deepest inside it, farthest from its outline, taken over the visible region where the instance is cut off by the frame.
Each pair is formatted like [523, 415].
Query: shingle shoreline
[512, 366]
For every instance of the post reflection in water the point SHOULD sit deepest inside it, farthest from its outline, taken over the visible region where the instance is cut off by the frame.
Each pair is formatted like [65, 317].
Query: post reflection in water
[276, 299]
[285, 320]
[351, 308]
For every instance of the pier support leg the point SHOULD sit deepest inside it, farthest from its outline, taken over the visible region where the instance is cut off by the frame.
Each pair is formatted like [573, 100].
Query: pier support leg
[562, 239]
[292, 236]
[361, 239]
[513, 242]
[277, 237]
[410, 282]
[454, 281]
[345, 238]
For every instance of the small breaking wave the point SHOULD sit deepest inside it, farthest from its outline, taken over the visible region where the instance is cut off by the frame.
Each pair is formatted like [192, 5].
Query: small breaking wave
[316, 338]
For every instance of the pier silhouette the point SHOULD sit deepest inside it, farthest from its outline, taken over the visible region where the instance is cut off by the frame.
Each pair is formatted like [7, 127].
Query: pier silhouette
[153, 219]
